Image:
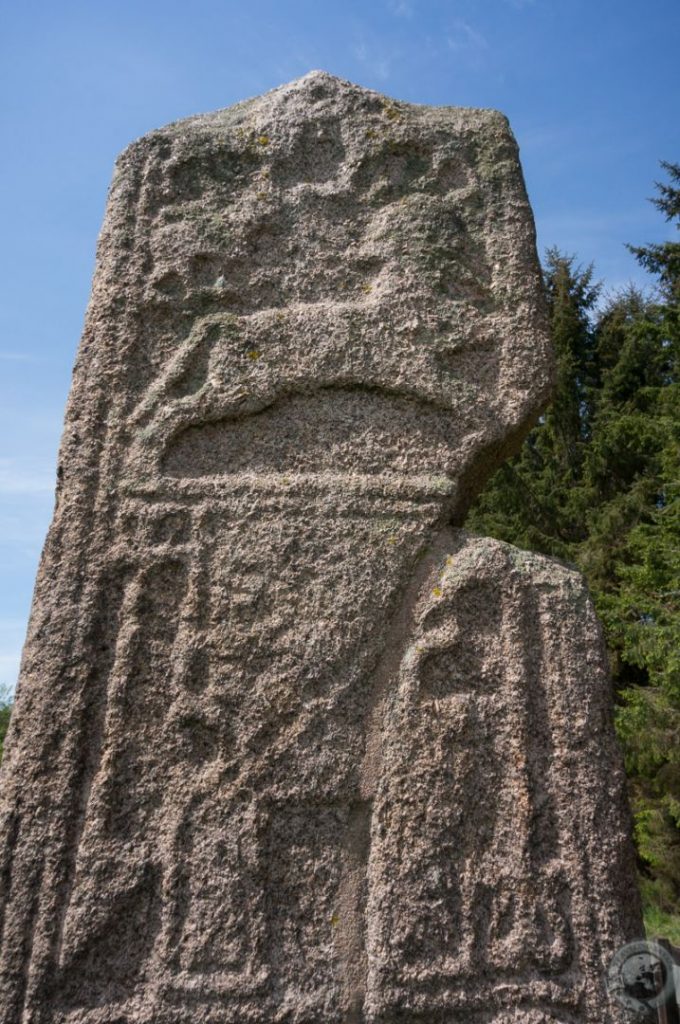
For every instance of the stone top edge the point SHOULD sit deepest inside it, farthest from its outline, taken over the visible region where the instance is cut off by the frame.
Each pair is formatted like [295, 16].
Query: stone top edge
[320, 77]
[223, 116]
[546, 568]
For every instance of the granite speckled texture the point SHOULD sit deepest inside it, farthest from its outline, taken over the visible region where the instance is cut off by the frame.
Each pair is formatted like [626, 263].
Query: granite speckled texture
[289, 746]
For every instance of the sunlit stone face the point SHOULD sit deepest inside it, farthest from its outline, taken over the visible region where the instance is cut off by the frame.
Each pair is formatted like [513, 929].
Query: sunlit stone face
[288, 748]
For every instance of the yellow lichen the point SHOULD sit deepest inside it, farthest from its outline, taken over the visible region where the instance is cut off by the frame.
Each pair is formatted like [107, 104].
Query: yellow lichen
[254, 353]
[391, 112]
[437, 591]
[263, 140]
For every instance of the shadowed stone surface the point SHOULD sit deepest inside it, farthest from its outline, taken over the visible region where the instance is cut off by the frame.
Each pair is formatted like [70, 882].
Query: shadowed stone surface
[288, 746]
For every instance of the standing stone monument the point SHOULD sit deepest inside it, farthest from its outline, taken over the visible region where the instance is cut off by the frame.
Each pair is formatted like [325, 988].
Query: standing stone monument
[290, 746]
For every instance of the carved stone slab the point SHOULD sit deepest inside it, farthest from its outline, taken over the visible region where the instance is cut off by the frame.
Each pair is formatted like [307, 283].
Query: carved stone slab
[287, 747]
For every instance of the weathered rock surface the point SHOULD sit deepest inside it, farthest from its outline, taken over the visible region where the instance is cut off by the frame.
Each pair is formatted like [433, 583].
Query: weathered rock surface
[288, 747]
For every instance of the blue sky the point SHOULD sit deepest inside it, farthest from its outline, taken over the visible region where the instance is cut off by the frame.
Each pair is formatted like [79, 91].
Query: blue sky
[590, 87]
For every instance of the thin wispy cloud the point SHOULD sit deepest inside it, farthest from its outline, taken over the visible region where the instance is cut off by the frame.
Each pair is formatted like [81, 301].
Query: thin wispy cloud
[548, 138]
[20, 357]
[401, 8]
[374, 58]
[19, 477]
[465, 40]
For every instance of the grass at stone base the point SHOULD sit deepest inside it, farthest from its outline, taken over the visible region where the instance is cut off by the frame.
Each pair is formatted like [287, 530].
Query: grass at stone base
[659, 923]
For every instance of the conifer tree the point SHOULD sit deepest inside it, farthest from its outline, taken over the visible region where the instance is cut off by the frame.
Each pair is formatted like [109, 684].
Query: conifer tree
[598, 483]
[640, 592]
[530, 501]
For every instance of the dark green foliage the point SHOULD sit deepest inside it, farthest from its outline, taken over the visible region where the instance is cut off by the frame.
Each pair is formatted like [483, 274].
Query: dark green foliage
[5, 711]
[663, 259]
[598, 483]
[532, 500]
